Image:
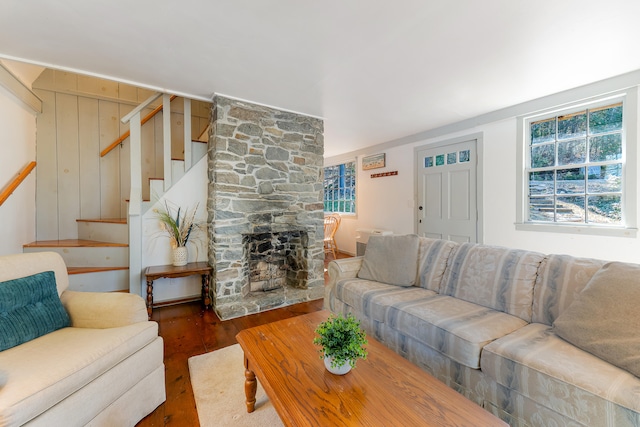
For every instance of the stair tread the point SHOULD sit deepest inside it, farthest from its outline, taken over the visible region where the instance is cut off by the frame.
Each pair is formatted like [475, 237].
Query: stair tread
[72, 243]
[84, 270]
[105, 220]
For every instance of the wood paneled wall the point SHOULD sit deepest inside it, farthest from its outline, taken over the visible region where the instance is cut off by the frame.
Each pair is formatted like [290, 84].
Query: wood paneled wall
[81, 116]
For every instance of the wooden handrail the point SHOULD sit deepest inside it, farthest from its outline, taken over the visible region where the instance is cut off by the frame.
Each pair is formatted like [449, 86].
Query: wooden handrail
[16, 182]
[125, 135]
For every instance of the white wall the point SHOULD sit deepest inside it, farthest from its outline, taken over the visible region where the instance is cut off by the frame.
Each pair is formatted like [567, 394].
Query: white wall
[389, 202]
[17, 150]
[186, 193]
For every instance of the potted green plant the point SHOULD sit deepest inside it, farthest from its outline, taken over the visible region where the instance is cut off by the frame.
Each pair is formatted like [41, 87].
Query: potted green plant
[342, 341]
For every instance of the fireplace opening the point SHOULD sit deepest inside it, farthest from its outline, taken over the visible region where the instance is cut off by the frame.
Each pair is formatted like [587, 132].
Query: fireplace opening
[276, 260]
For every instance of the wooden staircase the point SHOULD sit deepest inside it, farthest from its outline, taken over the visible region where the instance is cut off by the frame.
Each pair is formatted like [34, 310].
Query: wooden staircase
[98, 260]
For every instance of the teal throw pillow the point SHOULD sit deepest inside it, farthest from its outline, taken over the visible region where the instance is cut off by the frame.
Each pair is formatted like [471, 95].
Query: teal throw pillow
[29, 308]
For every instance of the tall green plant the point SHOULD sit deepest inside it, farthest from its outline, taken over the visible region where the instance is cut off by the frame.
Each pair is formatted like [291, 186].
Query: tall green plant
[342, 339]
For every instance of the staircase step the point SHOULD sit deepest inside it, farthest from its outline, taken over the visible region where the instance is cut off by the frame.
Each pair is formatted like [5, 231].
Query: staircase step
[156, 188]
[177, 170]
[86, 270]
[114, 230]
[98, 279]
[84, 253]
[198, 151]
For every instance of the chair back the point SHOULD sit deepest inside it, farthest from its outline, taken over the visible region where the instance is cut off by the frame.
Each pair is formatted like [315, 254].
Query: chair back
[331, 224]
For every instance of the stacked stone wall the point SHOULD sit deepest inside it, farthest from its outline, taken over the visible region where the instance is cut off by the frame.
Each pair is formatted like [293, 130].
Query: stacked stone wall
[265, 175]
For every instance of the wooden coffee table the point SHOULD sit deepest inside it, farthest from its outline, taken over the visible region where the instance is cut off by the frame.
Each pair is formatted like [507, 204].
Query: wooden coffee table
[383, 390]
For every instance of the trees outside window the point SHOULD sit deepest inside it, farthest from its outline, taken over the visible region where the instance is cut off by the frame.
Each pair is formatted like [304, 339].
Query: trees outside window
[340, 188]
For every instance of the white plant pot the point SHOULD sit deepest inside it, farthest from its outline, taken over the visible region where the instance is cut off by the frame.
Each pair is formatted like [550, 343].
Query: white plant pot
[338, 370]
[179, 256]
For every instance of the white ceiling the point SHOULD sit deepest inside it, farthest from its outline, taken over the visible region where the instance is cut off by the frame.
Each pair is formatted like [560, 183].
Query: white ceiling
[374, 70]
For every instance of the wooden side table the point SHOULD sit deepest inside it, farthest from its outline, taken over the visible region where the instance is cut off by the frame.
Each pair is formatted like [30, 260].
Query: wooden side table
[170, 272]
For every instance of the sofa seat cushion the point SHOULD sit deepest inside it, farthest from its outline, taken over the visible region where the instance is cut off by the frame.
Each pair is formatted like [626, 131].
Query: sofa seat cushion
[44, 371]
[374, 298]
[556, 374]
[457, 328]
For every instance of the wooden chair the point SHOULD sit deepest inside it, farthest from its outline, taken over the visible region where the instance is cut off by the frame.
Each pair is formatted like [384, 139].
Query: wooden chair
[331, 224]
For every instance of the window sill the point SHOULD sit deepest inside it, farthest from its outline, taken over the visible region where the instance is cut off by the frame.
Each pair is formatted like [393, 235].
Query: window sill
[578, 229]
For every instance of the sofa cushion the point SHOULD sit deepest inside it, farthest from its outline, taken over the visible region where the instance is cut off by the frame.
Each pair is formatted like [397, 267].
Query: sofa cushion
[433, 255]
[456, 328]
[604, 319]
[44, 371]
[374, 298]
[560, 280]
[556, 374]
[391, 259]
[29, 308]
[495, 277]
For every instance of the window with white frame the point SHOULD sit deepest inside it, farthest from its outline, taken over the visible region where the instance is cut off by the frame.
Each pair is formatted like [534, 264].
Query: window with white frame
[575, 166]
[340, 188]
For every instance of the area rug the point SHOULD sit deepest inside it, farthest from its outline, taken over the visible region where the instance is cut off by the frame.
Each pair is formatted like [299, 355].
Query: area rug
[217, 379]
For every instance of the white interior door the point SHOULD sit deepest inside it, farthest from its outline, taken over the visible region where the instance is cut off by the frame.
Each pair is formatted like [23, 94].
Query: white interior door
[447, 200]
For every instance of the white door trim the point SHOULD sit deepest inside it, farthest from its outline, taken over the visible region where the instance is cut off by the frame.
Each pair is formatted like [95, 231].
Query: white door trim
[479, 177]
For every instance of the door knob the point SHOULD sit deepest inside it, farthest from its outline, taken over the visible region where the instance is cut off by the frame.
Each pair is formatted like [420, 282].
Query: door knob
[419, 208]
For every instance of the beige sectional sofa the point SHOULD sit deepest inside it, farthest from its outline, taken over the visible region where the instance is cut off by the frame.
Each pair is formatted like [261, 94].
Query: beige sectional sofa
[105, 369]
[487, 321]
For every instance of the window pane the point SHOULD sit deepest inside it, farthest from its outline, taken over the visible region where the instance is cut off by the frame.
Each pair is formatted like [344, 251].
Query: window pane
[605, 119]
[440, 160]
[573, 125]
[451, 158]
[541, 182]
[543, 156]
[543, 131]
[570, 181]
[605, 179]
[541, 209]
[605, 147]
[605, 209]
[464, 156]
[428, 162]
[572, 152]
[570, 209]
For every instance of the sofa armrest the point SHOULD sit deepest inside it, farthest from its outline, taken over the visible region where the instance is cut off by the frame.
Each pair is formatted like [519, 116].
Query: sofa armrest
[345, 268]
[101, 310]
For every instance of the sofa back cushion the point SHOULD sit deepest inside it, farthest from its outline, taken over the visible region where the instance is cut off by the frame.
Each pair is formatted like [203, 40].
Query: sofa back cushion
[391, 259]
[16, 266]
[29, 308]
[604, 319]
[433, 256]
[560, 280]
[494, 277]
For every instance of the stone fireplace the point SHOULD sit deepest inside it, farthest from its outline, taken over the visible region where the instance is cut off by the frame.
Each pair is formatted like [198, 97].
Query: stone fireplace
[265, 207]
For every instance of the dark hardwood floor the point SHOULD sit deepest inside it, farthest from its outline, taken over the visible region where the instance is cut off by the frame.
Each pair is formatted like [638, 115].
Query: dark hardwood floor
[187, 331]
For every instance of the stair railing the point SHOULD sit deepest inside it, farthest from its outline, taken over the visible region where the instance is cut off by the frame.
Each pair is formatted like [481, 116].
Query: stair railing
[16, 182]
[135, 197]
[125, 135]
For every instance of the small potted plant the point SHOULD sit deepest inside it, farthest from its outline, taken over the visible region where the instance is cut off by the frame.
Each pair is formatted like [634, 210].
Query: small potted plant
[179, 228]
[342, 341]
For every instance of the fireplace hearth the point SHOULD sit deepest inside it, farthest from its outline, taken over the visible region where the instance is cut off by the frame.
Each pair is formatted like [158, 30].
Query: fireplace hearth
[276, 260]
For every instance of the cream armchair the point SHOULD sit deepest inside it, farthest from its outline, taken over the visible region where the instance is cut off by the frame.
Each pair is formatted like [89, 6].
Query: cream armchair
[105, 369]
